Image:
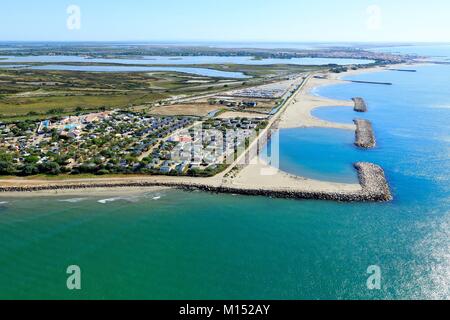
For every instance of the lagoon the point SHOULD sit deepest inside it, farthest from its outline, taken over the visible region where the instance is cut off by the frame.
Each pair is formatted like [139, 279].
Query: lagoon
[197, 71]
[167, 63]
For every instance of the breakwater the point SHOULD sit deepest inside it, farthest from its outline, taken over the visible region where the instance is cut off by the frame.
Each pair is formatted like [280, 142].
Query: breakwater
[403, 70]
[360, 104]
[374, 188]
[372, 178]
[372, 82]
[365, 137]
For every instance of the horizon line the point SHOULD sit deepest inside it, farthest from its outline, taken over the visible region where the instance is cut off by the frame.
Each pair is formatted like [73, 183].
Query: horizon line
[225, 41]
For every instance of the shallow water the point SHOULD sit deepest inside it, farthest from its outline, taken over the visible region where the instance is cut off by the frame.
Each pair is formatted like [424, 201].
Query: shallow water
[318, 153]
[197, 71]
[174, 63]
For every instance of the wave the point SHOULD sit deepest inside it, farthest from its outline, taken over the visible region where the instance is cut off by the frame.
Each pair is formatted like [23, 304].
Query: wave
[74, 200]
[3, 202]
[131, 199]
[105, 201]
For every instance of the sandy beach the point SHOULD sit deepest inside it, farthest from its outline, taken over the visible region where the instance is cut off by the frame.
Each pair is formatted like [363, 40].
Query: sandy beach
[298, 114]
[267, 177]
[83, 193]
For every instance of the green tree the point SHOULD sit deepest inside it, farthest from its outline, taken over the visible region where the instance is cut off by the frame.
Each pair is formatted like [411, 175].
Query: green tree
[50, 168]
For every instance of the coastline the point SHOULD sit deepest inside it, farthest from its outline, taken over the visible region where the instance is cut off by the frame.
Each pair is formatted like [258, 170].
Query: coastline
[299, 114]
[109, 192]
[250, 180]
[373, 187]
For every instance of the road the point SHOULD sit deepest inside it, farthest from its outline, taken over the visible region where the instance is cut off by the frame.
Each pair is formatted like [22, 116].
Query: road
[264, 132]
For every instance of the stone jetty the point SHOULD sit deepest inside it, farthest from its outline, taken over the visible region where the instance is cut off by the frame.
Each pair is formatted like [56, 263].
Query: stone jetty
[365, 137]
[403, 70]
[373, 181]
[360, 104]
[372, 82]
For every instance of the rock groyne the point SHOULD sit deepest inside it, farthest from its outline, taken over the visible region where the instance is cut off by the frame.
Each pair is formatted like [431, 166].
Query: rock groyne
[403, 70]
[360, 104]
[365, 137]
[373, 181]
[372, 82]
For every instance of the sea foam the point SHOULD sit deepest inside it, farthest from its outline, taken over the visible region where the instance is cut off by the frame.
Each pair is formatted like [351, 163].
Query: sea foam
[74, 200]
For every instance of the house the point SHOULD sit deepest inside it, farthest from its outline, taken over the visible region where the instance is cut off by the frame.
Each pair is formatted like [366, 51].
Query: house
[43, 126]
[182, 167]
[74, 134]
[165, 169]
[250, 104]
[210, 158]
[195, 165]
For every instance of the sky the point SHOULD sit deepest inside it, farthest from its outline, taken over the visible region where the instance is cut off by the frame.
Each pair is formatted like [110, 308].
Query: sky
[226, 20]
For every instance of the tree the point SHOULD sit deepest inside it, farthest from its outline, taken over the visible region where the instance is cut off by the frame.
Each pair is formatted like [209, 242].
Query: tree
[50, 168]
[103, 172]
[6, 164]
[6, 168]
[29, 169]
[31, 159]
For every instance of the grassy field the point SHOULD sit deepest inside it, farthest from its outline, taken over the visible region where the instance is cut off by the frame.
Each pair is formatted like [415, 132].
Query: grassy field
[62, 103]
[37, 94]
[265, 70]
[26, 93]
[187, 109]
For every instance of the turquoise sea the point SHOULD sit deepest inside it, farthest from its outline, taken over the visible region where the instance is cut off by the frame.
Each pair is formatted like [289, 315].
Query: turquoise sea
[192, 245]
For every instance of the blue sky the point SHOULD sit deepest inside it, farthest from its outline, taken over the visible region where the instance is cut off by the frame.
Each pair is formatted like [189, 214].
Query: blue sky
[228, 20]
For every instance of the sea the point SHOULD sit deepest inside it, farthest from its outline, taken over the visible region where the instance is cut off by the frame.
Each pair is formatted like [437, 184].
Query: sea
[172, 244]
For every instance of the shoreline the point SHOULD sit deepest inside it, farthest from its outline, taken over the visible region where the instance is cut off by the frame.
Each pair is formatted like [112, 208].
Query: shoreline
[110, 192]
[299, 115]
[373, 188]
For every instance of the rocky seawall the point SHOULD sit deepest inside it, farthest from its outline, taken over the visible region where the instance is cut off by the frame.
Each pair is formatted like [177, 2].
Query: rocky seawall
[365, 136]
[360, 105]
[372, 179]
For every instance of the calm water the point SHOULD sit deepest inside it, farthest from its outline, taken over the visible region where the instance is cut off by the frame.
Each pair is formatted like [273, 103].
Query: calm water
[174, 61]
[314, 153]
[197, 71]
[198, 245]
